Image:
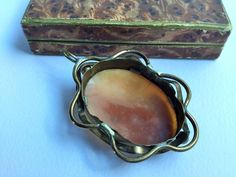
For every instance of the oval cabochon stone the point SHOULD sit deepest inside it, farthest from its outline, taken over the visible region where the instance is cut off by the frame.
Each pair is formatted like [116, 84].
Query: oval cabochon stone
[132, 105]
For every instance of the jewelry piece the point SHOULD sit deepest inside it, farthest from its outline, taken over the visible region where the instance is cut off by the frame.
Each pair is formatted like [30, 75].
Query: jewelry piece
[136, 110]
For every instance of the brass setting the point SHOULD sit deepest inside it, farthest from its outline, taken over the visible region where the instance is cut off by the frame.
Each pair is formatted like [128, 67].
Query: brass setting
[85, 68]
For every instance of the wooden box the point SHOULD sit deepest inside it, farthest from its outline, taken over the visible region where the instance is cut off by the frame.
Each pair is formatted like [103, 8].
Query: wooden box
[159, 28]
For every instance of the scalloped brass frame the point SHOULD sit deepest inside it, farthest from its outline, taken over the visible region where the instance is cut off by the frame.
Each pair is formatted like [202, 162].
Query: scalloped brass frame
[84, 69]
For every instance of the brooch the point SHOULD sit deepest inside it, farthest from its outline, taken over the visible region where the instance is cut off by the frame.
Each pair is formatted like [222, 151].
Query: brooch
[137, 111]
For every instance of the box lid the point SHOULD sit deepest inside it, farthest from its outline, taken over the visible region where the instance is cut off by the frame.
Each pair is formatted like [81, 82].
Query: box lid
[128, 21]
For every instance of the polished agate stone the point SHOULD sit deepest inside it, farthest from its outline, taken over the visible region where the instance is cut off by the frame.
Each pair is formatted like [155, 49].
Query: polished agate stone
[132, 105]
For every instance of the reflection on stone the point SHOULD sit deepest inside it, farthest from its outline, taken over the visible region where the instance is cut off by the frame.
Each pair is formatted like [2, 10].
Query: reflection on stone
[132, 105]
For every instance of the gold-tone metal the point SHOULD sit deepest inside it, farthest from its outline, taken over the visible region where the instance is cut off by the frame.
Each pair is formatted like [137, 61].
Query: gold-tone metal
[85, 68]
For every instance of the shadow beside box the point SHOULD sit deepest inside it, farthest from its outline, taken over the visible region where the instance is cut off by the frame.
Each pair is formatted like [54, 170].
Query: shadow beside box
[196, 29]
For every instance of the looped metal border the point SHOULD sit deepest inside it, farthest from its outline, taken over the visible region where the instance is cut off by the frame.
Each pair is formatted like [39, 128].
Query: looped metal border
[80, 67]
[158, 147]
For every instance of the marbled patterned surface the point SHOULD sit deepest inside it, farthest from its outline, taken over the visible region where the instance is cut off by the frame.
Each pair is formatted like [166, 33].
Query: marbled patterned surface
[128, 34]
[108, 50]
[130, 10]
[188, 12]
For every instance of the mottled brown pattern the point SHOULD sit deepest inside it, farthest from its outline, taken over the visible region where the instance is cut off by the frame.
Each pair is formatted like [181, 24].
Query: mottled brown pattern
[191, 12]
[130, 10]
[108, 50]
[135, 34]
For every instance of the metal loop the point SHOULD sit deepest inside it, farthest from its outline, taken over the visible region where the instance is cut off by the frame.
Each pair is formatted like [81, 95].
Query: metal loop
[186, 87]
[139, 158]
[71, 56]
[132, 53]
[159, 147]
[194, 139]
[76, 72]
[178, 89]
[73, 116]
[79, 64]
[111, 135]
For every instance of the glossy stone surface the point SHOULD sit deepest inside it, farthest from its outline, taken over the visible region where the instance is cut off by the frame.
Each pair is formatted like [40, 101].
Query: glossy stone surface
[132, 105]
